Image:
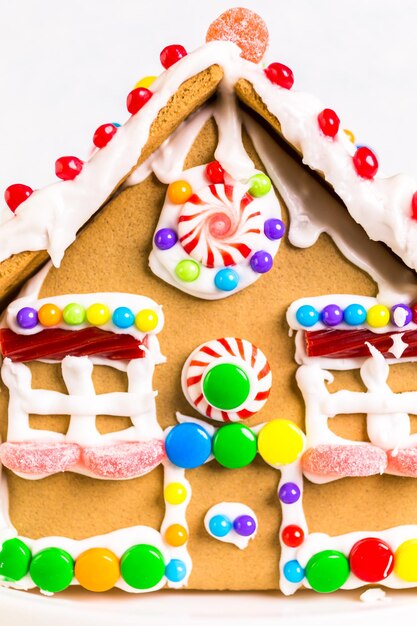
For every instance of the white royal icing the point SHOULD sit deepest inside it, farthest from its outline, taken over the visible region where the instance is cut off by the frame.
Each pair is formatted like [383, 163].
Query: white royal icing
[231, 510]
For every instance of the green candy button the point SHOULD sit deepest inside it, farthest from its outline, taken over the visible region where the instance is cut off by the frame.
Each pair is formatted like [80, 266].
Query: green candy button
[142, 566]
[234, 446]
[14, 559]
[327, 571]
[226, 386]
[52, 569]
[73, 314]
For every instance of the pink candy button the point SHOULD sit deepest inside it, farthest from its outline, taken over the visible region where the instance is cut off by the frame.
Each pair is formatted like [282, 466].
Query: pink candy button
[39, 458]
[341, 461]
[124, 460]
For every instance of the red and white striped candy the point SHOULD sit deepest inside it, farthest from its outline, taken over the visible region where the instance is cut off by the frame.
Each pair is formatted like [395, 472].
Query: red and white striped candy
[341, 461]
[124, 460]
[221, 225]
[229, 350]
[38, 458]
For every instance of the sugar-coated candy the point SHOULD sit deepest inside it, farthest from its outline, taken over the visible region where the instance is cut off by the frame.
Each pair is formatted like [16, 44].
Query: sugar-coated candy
[329, 122]
[165, 238]
[123, 317]
[68, 167]
[292, 535]
[331, 315]
[137, 98]
[38, 458]
[307, 315]
[188, 445]
[378, 316]
[274, 229]
[179, 191]
[289, 493]
[27, 317]
[103, 134]
[73, 314]
[52, 569]
[362, 459]
[327, 571]
[124, 460]
[260, 185]
[98, 314]
[142, 566]
[226, 279]
[15, 194]
[405, 561]
[371, 559]
[280, 74]
[49, 315]
[365, 162]
[171, 54]
[220, 525]
[176, 570]
[401, 315]
[15, 558]
[244, 28]
[175, 493]
[354, 314]
[187, 270]
[226, 386]
[97, 569]
[280, 442]
[176, 535]
[234, 445]
[293, 571]
[244, 525]
[215, 172]
[261, 262]
[403, 462]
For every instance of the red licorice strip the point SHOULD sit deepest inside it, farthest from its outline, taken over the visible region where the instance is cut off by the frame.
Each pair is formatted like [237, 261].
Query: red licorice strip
[348, 344]
[55, 344]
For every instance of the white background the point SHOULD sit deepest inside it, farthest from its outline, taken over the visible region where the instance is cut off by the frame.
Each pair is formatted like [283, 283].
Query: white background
[66, 67]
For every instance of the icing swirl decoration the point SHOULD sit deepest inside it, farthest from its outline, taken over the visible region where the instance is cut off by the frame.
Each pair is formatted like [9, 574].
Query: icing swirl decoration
[227, 379]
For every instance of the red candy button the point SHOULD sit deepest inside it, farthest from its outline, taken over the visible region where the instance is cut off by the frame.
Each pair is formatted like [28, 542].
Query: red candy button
[328, 122]
[280, 74]
[292, 536]
[137, 98]
[215, 172]
[365, 162]
[16, 194]
[414, 206]
[103, 135]
[172, 54]
[371, 560]
[68, 167]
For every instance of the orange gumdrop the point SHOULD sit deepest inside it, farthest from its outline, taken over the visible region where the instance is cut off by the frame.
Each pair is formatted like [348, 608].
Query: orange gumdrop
[244, 28]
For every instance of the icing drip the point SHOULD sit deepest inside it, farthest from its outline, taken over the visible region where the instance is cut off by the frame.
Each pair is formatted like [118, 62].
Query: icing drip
[231, 510]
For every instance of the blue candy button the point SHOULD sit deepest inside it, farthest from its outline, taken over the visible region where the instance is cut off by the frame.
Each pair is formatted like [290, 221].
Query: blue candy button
[307, 315]
[123, 317]
[226, 279]
[188, 445]
[220, 525]
[293, 571]
[176, 570]
[354, 314]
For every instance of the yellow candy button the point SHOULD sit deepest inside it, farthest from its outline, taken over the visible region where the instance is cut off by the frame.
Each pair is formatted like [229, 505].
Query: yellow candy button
[49, 315]
[97, 569]
[405, 560]
[349, 135]
[146, 320]
[98, 314]
[378, 316]
[280, 442]
[175, 493]
[146, 81]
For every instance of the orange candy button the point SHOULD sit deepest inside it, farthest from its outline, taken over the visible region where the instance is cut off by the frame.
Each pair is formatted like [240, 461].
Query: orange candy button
[179, 192]
[244, 28]
[97, 569]
[176, 535]
[49, 315]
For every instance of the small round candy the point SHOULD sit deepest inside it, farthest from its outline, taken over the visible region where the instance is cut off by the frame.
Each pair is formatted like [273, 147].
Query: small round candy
[328, 122]
[331, 315]
[16, 194]
[349, 135]
[123, 317]
[261, 262]
[401, 315]
[414, 206]
[142, 566]
[280, 442]
[27, 317]
[244, 525]
[176, 570]
[307, 315]
[280, 74]
[327, 571]
[289, 493]
[244, 28]
[405, 561]
[137, 98]
[176, 535]
[226, 279]
[215, 172]
[165, 238]
[97, 569]
[293, 571]
[146, 320]
[175, 493]
[188, 445]
[68, 167]
[49, 315]
[52, 569]
[103, 135]
[260, 185]
[98, 314]
[365, 163]
[354, 314]
[220, 525]
[378, 316]
[146, 81]
[15, 558]
[171, 54]
[179, 191]
[292, 535]
[234, 445]
[371, 560]
[226, 386]
[274, 229]
[187, 270]
[73, 314]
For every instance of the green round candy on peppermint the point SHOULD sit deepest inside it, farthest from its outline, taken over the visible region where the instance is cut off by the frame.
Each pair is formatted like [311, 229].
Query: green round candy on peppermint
[226, 386]
[187, 270]
[14, 559]
[74, 314]
[52, 569]
[234, 446]
[327, 571]
[260, 185]
[142, 566]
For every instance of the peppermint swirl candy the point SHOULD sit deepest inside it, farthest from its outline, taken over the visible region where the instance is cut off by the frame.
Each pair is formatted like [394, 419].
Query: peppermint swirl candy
[227, 379]
[220, 226]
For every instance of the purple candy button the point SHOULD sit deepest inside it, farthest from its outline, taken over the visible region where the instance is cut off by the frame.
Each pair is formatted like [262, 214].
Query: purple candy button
[27, 318]
[331, 315]
[261, 262]
[244, 525]
[289, 493]
[401, 315]
[274, 229]
[165, 238]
